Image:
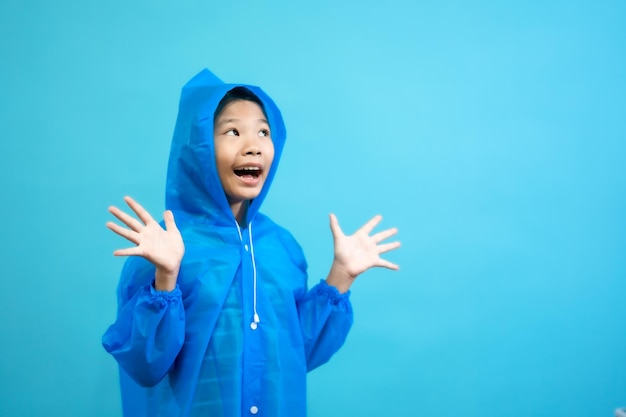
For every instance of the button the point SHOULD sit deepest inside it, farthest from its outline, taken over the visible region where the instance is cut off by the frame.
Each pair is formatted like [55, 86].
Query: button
[253, 326]
[246, 246]
[254, 409]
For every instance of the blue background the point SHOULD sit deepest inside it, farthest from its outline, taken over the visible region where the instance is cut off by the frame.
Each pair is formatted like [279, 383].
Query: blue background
[492, 134]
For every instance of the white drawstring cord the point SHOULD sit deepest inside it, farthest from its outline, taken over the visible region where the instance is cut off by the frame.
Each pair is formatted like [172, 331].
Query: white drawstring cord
[239, 231]
[256, 315]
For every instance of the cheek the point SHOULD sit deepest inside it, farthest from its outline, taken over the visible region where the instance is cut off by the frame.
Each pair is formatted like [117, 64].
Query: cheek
[221, 160]
[269, 153]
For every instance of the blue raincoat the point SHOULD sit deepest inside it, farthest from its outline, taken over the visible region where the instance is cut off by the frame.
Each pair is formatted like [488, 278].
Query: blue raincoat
[239, 332]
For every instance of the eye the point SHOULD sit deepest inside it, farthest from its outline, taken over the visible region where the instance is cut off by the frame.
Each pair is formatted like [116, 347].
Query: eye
[232, 132]
[264, 132]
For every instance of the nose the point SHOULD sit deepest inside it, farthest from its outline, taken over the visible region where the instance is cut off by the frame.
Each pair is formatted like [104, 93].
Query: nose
[251, 145]
[252, 150]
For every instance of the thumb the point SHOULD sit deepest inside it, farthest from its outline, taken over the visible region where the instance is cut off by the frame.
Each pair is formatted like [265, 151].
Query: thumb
[334, 226]
[168, 218]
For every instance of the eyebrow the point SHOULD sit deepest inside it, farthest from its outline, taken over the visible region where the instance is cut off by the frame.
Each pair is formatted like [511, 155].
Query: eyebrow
[223, 122]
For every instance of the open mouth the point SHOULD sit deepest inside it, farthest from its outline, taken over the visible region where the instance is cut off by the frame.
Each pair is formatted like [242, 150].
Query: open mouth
[249, 172]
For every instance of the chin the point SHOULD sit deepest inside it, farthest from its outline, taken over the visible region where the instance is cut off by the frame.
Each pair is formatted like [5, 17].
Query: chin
[247, 196]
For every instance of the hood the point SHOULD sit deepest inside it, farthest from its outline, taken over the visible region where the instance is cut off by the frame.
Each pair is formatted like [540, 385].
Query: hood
[193, 184]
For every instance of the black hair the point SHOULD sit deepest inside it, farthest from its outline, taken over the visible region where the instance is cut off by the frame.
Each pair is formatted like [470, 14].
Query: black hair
[238, 93]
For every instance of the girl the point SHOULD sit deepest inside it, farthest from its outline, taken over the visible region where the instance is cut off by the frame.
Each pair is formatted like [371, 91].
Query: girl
[214, 316]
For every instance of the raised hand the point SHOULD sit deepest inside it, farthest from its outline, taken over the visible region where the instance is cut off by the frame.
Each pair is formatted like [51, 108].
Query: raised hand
[359, 252]
[164, 248]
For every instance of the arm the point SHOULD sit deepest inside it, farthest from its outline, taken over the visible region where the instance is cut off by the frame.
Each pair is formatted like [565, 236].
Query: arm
[150, 327]
[163, 248]
[325, 319]
[326, 312]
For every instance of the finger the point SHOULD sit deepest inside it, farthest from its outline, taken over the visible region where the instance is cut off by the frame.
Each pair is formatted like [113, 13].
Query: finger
[168, 219]
[379, 237]
[125, 218]
[139, 210]
[386, 264]
[334, 226]
[125, 233]
[388, 247]
[371, 224]
[127, 252]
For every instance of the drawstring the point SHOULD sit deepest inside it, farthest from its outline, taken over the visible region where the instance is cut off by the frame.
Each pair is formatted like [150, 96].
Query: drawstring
[256, 315]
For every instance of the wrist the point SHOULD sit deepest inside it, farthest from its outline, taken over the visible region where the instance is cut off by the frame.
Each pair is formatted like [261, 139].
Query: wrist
[339, 278]
[165, 280]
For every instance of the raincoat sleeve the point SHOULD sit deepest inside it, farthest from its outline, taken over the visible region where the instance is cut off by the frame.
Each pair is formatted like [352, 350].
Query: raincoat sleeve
[325, 317]
[150, 327]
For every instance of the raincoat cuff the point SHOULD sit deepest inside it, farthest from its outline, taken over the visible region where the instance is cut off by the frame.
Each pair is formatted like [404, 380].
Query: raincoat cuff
[163, 298]
[332, 293]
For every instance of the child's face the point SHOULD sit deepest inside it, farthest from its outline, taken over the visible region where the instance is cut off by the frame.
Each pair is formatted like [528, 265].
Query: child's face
[243, 150]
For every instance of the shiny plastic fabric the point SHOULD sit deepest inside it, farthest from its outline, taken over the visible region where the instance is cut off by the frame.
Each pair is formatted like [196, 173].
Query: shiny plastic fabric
[196, 351]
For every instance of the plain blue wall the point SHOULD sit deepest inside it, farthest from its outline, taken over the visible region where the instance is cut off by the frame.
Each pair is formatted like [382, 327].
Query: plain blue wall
[491, 133]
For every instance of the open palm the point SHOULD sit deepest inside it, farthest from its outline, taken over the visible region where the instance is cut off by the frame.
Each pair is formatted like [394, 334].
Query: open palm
[359, 252]
[163, 247]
